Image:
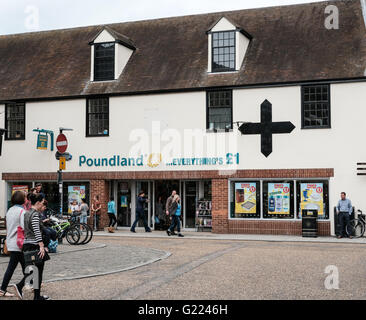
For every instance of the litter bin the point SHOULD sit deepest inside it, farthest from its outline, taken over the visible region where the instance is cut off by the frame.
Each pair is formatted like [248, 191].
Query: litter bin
[309, 223]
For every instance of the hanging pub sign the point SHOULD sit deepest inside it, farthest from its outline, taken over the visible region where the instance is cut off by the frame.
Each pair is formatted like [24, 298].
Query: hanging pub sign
[42, 142]
[312, 197]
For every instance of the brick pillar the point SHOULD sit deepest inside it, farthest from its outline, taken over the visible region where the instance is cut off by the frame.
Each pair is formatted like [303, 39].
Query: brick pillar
[100, 188]
[220, 222]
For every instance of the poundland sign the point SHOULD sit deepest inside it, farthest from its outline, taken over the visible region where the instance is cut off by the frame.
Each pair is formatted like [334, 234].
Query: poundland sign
[155, 159]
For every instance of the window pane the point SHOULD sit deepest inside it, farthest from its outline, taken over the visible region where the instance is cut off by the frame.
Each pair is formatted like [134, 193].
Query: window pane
[15, 121]
[223, 58]
[316, 100]
[219, 110]
[98, 116]
[104, 62]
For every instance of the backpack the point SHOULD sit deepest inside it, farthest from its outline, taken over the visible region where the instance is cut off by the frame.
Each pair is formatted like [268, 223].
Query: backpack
[52, 247]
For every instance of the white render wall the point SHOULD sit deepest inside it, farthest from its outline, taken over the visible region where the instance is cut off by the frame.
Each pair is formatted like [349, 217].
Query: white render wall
[340, 147]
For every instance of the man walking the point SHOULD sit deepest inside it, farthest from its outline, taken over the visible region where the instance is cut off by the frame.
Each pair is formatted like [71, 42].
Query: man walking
[344, 210]
[140, 212]
[169, 202]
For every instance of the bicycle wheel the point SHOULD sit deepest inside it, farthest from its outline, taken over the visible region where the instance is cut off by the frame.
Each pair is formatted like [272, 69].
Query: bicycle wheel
[355, 228]
[72, 235]
[84, 232]
[90, 234]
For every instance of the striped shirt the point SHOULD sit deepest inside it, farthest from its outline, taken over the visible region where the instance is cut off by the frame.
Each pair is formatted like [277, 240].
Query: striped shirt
[32, 227]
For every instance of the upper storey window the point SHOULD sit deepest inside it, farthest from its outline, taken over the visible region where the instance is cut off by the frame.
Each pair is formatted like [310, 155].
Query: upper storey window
[110, 53]
[104, 57]
[227, 45]
[223, 49]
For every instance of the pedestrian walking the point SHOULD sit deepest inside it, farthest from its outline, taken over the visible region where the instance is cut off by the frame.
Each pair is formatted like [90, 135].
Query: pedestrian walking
[84, 211]
[169, 202]
[344, 210]
[140, 212]
[14, 220]
[96, 210]
[176, 213]
[112, 215]
[33, 240]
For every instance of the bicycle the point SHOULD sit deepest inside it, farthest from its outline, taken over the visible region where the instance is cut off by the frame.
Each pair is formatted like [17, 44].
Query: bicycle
[356, 227]
[65, 229]
[86, 232]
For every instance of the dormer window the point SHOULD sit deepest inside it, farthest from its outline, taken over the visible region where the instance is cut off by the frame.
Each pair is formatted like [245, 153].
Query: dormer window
[104, 56]
[110, 52]
[227, 45]
[223, 49]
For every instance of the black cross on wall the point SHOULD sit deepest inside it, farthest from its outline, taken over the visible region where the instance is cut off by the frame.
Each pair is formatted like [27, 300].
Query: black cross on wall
[266, 128]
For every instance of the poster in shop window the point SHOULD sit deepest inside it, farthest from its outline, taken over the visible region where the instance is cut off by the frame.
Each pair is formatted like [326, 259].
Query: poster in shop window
[19, 188]
[245, 198]
[312, 197]
[75, 193]
[278, 198]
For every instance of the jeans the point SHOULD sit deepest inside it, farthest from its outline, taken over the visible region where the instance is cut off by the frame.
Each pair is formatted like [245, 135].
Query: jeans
[343, 219]
[15, 258]
[97, 217]
[47, 235]
[83, 219]
[40, 267]
[175, 223]
[140, 215]
[112, 219]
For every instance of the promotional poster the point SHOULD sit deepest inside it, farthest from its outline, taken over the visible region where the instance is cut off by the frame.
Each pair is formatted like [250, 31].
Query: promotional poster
[278, 198]
[245, 198]
[75, 193]
[312, 197]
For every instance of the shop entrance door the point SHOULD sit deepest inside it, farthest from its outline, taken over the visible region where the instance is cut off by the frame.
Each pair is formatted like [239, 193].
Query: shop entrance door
[162, 191]
[147, 187]
[123, 202]
[189, 208]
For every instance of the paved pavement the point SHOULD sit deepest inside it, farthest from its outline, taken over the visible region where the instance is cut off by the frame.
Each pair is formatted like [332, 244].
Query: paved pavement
[244, 237]
[209, 268]
[91, 260]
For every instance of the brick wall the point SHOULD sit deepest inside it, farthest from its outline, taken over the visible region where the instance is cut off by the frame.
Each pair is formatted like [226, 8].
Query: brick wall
[220, 223]
[274, 227]
[100, 188]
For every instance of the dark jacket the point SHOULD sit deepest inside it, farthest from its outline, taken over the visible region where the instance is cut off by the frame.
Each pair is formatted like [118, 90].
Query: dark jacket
[140, 204]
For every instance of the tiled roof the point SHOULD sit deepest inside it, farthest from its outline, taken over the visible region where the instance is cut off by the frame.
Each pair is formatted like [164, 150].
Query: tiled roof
[289, 44]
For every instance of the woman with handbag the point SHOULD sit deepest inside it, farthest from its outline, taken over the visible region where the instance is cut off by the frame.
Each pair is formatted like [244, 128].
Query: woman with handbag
[15, 235]
[33, 248]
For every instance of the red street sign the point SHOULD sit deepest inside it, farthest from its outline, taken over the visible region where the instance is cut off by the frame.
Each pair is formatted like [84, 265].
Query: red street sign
[61, 143]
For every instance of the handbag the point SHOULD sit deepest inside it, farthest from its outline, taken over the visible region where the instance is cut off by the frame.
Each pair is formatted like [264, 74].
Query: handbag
[32, 257]
[20, 235]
